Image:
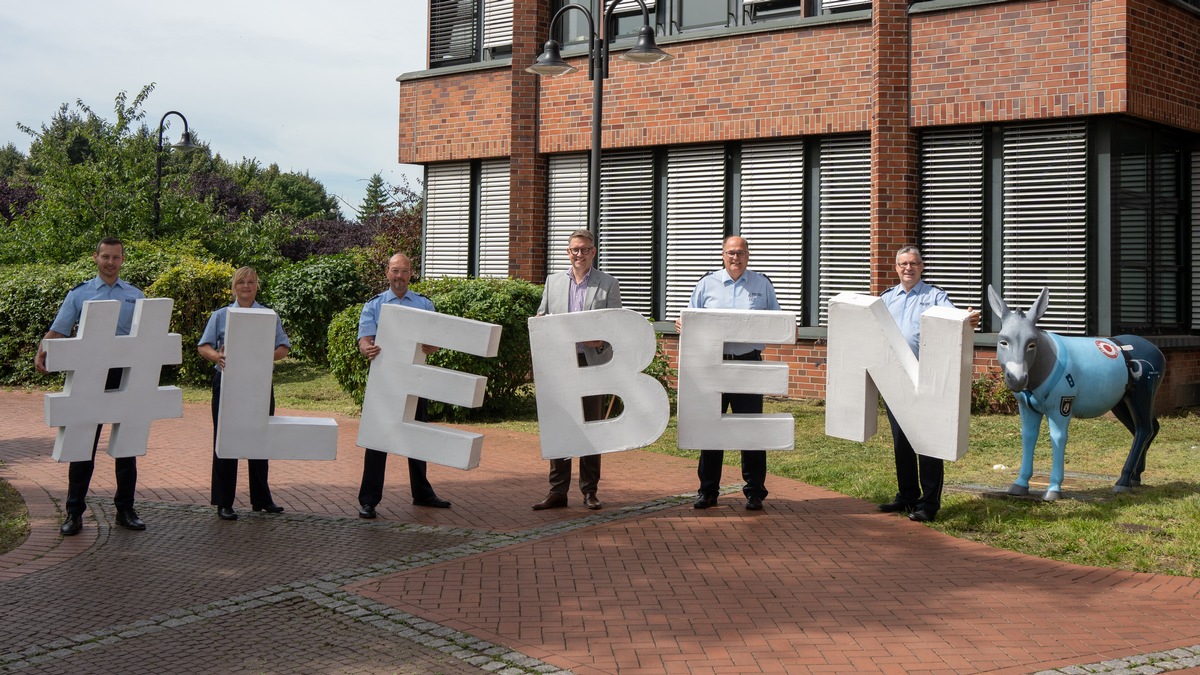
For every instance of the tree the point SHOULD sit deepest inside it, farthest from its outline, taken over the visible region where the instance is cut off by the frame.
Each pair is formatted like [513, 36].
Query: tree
[12, 161]
[376, 201]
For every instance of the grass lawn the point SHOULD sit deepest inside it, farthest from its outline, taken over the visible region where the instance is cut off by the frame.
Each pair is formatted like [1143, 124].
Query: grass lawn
[1156, 528]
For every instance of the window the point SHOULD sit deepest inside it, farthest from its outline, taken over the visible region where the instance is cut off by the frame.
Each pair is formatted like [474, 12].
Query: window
[626, 237]
[573, 27]
[1149, 285]
[845, 215]
[1021, 229]
[771, 196]
[1044, 221]
[835, 6]
[695, 219]
[664, 213]
[492, 248]
[466, 31]
[1195, 240]
[466, 219]
[952, 212]
[447, 220]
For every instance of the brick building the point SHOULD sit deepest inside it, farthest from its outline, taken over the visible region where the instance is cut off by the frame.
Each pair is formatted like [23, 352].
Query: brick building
[1022, 143]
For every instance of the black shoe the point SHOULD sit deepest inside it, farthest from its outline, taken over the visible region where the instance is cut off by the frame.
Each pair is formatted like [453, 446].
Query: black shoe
[923, 516]
[226, 513]
[269, 508]
[433, 502]
[704, 501]
[366, 511]
[754, 504]
[128, 519]
[72, 525]
[897, 507]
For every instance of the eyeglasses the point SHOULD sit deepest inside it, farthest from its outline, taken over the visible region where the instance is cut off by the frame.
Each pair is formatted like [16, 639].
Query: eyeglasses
[580, 250]
[403, 271]
[909, 264]
[736, 254]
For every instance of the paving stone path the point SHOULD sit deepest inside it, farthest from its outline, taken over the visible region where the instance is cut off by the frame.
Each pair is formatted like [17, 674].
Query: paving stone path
[817, 582]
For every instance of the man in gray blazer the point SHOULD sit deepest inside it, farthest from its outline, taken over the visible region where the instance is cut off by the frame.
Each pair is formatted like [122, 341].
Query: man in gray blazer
[580, 288]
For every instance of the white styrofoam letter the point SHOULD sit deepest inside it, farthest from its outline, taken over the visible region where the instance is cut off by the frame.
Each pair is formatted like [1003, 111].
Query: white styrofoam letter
[87, 358]
[704, 376]
[561, 384]
[867, 356]
[245, 428]
[399, 376]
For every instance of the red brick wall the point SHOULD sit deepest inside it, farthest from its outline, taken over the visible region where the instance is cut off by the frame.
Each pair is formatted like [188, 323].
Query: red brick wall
[1019, 60]
[1164, 63]
[893, 144]
[456, 117]
[528, 171]
[786, 83]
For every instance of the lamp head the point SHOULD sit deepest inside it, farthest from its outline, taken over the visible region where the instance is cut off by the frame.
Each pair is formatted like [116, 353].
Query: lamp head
[550, 61]
[185, 142]
[645, 50]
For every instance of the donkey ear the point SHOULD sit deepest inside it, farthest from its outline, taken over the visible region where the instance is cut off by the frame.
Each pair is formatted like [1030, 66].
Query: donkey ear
[1038, 308]
[996, 302]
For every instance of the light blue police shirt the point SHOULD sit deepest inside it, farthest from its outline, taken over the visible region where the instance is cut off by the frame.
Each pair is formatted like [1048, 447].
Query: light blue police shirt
[907, 307]
[368, 321]
[214, 330]
[95, 289]
[717, 290]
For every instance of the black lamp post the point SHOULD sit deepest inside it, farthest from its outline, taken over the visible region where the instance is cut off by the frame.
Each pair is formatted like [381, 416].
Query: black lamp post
[185, 143]
[550, 62]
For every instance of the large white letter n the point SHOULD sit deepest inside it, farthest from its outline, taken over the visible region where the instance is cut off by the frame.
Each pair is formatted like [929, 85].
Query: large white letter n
[867, 356]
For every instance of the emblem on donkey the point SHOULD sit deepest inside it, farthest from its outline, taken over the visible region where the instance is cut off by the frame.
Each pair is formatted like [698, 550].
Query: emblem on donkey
[1063, 377]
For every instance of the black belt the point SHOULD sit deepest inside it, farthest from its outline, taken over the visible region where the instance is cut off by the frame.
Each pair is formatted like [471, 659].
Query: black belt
[755, 355]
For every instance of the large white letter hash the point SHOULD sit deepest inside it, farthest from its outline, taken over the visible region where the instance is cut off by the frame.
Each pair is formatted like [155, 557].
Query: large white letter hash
[704, 376]
[867, 356]
[245, 428]
[87, 358]
[562, 384]
[399, 376]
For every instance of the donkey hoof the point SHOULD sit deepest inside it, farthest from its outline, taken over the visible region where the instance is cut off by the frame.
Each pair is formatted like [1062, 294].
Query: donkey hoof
[1135, 483]
[1122, 488]
[1018, 490]
[1051, 496]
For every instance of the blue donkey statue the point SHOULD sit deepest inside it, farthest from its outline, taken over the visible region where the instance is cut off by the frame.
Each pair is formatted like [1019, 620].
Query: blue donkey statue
[1063, 377]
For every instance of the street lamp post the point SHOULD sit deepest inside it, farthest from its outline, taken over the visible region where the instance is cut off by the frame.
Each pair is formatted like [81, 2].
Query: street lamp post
[185, 143]
[550, 62]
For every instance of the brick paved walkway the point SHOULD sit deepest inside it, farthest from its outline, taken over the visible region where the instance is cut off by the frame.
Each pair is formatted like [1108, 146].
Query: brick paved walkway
[817, 582]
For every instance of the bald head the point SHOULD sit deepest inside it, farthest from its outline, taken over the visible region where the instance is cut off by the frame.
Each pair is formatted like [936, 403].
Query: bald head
[399, 273]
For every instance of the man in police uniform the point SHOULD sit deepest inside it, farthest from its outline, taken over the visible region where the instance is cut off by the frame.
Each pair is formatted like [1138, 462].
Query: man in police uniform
[734, 287]
[106, 285]
[399, 273]
[919, 477]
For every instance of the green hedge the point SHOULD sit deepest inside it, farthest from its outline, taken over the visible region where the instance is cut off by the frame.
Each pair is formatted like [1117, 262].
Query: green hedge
[308, 294]
[199, 287]
[30, 296]
[348, 366]
[505, 302]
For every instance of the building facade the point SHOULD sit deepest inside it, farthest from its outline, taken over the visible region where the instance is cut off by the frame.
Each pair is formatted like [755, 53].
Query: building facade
[1019, 143]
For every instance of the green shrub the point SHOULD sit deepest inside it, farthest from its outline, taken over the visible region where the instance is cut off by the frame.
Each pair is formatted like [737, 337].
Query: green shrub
[989, 394]
[507, 303]
[146, 260]
[308, 294]
[198, 287]
[348, 366]
[30, 296]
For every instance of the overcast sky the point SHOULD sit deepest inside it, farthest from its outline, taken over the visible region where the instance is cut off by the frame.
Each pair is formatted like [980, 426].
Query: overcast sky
[308, 85]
